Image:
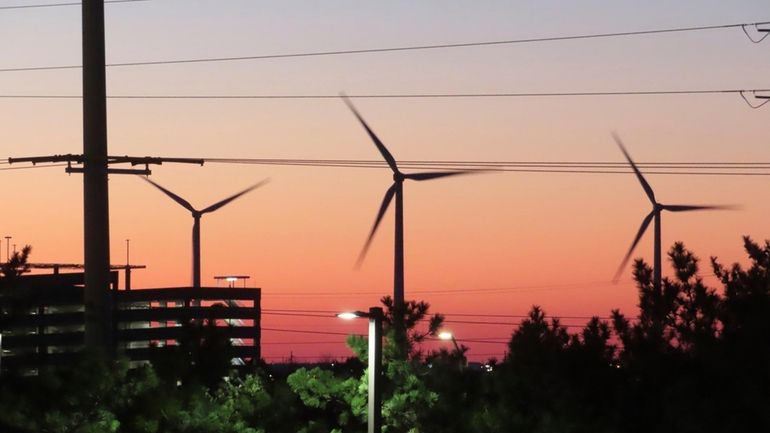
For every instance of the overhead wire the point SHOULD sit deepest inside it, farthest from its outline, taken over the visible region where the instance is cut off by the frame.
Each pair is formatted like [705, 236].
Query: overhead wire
[682, 168]
[52, 5]
[403, 48]
[751, 168]
[332, 313]
[448, 319]
[754, 105]
[569, 167]
[497, 290]
[32, 166]
[756, 28]
[447, 95]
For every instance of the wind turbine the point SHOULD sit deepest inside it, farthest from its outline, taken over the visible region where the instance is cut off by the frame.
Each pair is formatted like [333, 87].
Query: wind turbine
[197, 214]
[657, 208]
[396, 190]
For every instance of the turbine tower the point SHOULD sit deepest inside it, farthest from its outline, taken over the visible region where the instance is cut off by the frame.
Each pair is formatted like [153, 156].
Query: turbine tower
[655, 214]
[396, 190]
[197, 214]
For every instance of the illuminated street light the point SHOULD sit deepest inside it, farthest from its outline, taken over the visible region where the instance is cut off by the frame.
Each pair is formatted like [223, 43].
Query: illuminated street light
[232, 279]
[374, 418]
[349, 315]
[447, 336]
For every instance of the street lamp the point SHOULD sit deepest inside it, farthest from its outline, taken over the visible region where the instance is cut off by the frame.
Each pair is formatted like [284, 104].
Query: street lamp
[232, 279]
[446, 336]
[374, 418]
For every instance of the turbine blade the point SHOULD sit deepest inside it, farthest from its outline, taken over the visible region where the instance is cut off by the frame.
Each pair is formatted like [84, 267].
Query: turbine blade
[642, 180]
[434, 174]
[380, 146]
[639, 234]
[219, 204]
[173, 196]
[383, 208]
[685, 208]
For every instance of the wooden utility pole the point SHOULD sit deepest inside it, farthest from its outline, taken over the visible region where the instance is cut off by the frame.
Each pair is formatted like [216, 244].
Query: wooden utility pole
[98, 312]
[96, 214]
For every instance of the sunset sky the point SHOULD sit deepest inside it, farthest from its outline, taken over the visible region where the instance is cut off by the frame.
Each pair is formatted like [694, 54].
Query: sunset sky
[487, 244]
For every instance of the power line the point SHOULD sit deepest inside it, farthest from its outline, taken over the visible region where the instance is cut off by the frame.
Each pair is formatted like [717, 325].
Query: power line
[320, 358]
[501, 290]
[747, 170]
[377, 162]
[672, 168]
[676, 168]
[457, 163]
[346, 334]
[331, 313]
[301, 331]
[449, 95]
[463, 322]
[269, 313]
[445, 96]
[51, 5]
[478, 322]
[449, 315]
[33, 166]
[281, 343]
[400, 48]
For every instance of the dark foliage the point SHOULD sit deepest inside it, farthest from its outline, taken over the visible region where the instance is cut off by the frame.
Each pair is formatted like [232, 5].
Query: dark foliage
[694, 359]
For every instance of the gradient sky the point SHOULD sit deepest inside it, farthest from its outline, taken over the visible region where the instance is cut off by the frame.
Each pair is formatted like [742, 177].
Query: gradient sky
[548, 239]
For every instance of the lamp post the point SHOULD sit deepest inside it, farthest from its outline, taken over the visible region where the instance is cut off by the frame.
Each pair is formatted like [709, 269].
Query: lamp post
[374, 418]
[446, 336]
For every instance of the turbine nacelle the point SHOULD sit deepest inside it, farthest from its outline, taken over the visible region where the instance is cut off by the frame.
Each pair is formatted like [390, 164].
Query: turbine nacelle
[398, 179]
[657, 208]
[197, 214]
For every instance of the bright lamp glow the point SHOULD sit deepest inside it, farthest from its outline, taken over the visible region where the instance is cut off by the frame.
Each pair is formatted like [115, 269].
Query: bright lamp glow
[445, 335]
[231, 279]
[347, 315]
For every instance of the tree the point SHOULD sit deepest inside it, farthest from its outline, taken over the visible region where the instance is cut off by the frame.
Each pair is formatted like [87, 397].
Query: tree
[696, 358]
[202, 356]
[744, 349]
[339, 403]
[17, 265]
[14, 300]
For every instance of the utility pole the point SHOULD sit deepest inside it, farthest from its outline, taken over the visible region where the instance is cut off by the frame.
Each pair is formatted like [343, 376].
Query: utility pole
[8, 248]
[128, 264]
[98, 314]
[95, 161]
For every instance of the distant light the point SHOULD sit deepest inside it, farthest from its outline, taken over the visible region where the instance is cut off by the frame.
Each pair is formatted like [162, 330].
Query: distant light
[231, 279]
[445, 335]
[347, 315]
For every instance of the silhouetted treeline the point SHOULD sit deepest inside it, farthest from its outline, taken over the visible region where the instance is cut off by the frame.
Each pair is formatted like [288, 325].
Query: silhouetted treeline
[693, 359]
